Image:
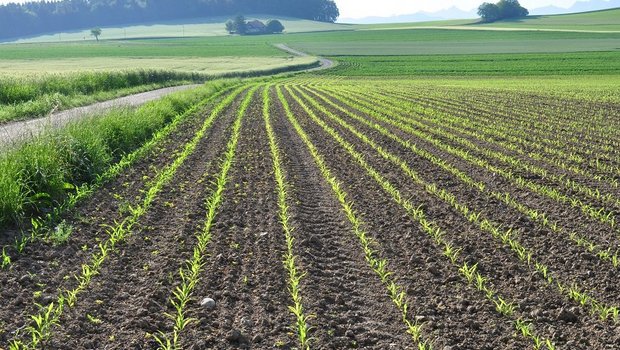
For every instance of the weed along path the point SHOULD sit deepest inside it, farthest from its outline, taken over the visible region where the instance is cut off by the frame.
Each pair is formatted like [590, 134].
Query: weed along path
[16, 132]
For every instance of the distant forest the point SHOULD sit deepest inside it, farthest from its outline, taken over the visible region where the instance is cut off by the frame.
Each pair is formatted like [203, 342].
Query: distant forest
[18, 20]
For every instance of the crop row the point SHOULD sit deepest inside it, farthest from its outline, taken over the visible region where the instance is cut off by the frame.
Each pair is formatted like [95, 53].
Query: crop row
[573, 151]
[42, 323]
[467, 269]
[400, 118]
[46, 227]
[190, 272]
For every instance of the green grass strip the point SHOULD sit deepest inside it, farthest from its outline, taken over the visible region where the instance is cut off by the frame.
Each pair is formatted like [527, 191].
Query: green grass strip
[42, 323]
[37, 175]
[378, 264]
[295, 277]
[189, 274]
[41, 226]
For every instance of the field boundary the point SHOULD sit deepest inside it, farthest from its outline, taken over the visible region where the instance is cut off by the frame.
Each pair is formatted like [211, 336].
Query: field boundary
[324, 62]
[16, 132]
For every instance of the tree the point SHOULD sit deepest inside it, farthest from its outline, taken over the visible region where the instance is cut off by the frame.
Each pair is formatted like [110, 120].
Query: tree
[504, 9]
[274, 26]
[489, 12]
[511, 9]
[328, 12]
[230, 26]
[240, 25]
[96, 32]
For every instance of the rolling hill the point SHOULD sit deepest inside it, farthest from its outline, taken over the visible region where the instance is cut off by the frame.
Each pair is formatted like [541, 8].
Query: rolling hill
[198, 27]
[593, 21]
[603, 20]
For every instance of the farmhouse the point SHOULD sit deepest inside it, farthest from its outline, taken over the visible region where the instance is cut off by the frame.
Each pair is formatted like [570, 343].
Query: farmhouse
[256, 27]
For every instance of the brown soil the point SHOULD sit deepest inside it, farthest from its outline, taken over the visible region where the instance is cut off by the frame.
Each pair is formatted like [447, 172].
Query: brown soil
[510, 277]
[347, 304]
[42, 270]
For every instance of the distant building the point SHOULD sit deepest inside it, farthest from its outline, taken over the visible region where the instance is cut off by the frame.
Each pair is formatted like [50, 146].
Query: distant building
[255, 27]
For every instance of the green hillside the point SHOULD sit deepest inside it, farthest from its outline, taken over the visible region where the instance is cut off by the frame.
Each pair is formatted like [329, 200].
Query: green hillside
[595, 21]
[605, 20]
[433, 41]
[198, 27]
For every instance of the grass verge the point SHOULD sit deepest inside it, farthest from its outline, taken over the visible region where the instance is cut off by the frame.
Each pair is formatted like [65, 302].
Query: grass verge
[38, 175]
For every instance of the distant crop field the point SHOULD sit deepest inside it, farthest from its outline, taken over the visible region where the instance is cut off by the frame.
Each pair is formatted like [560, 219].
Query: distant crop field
[448, 42]
[570, 64]
[145, 48]
[313, 212]
[206, 65]
[608, 20]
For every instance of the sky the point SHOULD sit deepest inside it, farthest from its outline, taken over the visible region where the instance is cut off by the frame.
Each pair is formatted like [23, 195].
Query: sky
[386, 8]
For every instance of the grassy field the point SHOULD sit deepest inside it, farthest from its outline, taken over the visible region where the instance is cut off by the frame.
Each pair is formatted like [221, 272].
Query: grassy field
[200, 27]
[449, 42]
[377, 42]
[183, 60]
[534, 64]
[595, 21]
[607, 20]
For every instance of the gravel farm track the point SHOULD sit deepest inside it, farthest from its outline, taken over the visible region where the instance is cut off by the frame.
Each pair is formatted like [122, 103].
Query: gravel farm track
[16, 132]
[397, 238]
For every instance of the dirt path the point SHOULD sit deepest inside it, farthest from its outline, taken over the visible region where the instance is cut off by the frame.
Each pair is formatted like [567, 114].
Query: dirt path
[15, 132]
[325, 63]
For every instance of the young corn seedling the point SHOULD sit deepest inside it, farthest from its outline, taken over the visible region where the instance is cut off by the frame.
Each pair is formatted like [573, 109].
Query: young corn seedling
[451, 253]
[189, 274]
[469, 272]
[378, 265]
[6, 260]
[503, 307]
[118, 232]
[524, 328]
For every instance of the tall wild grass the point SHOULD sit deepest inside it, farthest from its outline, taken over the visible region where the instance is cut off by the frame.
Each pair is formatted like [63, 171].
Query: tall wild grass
[31, 96]
[36, 175]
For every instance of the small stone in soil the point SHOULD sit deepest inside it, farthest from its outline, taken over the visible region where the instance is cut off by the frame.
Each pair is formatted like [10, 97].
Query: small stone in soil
[421, 318]
[235, 336]
[567, 316]
[208, 303]
[246, 322]
[257, 339]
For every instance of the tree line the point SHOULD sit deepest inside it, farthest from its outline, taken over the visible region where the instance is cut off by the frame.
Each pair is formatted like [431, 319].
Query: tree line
[32, 18]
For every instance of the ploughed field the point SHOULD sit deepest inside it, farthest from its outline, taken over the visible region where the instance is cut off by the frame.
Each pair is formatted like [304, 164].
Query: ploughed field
[328, 214]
